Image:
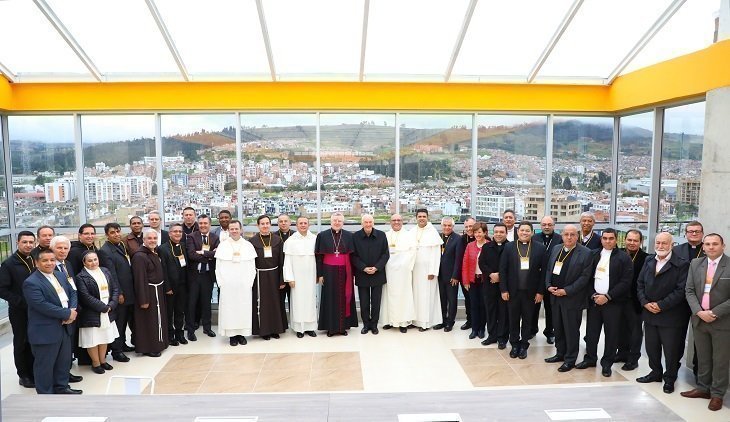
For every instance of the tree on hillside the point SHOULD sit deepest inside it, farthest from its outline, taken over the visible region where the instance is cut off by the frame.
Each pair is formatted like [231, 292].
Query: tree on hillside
[567, 184]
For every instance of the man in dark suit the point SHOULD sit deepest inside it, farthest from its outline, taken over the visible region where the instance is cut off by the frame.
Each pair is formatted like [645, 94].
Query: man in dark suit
[588, 237]
[44, 234]
[631, 333]
[117, 259]
[567, 277]
[51, 311]
[693, 248]
[466, 238]
[172, 255]
[708, 296]
[368, 263]
[612, 273]
[661, 291]
[200, 246]
[549, 239]
[284, 232]
[155, 220]
[189, 223]
[13, 272]
[452, 253]
[509, 220]
[489, 259]
[522, 285]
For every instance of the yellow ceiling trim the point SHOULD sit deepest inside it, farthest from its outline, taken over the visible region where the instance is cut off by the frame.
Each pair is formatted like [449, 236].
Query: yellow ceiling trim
[5, 94]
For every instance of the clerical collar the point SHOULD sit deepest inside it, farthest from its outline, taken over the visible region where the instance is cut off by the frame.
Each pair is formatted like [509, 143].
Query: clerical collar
[524, 243]
[499, 244]
[265, 235]
[566, 249]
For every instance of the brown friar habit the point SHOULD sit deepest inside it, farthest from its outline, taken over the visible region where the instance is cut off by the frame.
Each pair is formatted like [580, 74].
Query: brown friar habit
[151, 323]
[268, 315]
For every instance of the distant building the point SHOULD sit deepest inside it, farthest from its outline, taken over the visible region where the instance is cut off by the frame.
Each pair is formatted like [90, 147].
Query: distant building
[490, 207]
[562, 207]
[688, 191]
[62, 190]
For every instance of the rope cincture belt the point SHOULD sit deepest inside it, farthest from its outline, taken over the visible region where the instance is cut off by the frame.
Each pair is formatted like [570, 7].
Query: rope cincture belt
[258, 289]
[159, 316]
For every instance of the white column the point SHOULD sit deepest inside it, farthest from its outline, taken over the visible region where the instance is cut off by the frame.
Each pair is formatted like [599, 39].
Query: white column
[716, 163]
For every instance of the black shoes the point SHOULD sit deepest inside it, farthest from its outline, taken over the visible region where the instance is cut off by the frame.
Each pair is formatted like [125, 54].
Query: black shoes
[387, 327]
[126, 348]
[421, 329]
[514, 352]
[300, 335]
[606, 372]
[649, 378]
[26, 382]
[242, 340]
[403, 330]
[276, 336]
[488, 341]
[68, 390]
[75, 378]
[523, 353]
[364, 330]
[565, 367]
[480, 333]
[106, 366]
[438, 326]
[585, 364]
[153, 355]
[554, 359]
[550, 339]
[191, 336]
[630, 366]
[374, 330]
[448, 328]
[473, 335]
[233, 341]
[209, 332]
[466, 325]
[120, 357]
[174, 342]
[267, 338]
[668, 387]
[98, 369]
[311, 333]
[181, 338]
[502, 345]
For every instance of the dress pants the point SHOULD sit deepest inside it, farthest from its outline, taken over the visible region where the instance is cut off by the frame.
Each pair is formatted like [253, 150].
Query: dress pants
[476, 301]
[200, 289]
[51, 365]
[467, 303]
[22, 352]
[567, 330]
[176, 305]
[496, 308]
[631, 333]
[549, 330]
[607, 316]
[448, 295]
[284, 294]
[370, 298]
[521, 306]
[713, 358]
[669, 340]
[124, 318]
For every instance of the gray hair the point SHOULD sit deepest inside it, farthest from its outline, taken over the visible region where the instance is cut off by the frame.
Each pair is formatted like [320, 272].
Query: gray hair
[447, 220]
[364, 216]
[59, 239]
[588, 214]
[147, 231]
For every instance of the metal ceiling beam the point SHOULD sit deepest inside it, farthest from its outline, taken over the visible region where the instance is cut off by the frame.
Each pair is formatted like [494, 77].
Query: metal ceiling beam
[8, 73]
[554, 40]
[644, 40]
[364, 42]
[168, 38]
[460, 38]
[267, 41]
[70, 40]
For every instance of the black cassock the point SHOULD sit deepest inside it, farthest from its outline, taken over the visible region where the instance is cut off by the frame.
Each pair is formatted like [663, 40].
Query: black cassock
[269, 318]
[337, 307]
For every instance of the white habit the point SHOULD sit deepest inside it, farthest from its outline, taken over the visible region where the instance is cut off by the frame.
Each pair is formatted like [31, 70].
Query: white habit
[300, 267]
[235, 272]
[425, 291]
[397, 307]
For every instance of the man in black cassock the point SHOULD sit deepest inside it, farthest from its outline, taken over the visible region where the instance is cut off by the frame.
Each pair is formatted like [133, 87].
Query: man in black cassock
[269, 317]
[371, 255]
[334, 272]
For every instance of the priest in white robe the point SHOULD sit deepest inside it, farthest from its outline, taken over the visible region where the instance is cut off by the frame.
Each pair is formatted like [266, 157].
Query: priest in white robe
[397, 308]
[425, 273]
[300, 272]
[235, 272]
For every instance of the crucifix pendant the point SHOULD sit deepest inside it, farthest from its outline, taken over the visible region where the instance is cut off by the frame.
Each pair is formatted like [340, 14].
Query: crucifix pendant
[337, 254]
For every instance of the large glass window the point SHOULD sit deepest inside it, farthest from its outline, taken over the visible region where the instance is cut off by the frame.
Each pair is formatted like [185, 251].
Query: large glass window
[44, 175]
[120, 167]
[435, 165]
[634, 170]
[581, 179]
[511, 166]
[358, 165]
[4, 214]
[199, 164]
[679, 200]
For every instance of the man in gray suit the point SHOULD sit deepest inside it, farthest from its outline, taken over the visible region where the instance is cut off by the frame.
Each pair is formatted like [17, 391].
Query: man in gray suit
[708, 295]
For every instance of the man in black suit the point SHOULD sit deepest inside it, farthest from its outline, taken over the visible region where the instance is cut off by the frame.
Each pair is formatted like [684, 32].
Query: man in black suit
[489, 259]
[612, 273]
[694, 232]
[661, 291]
[13, 272]
[283, 221]
[51, 312]
[567, 277]
[155, 220]
[631, 333]
[509, 220]
[117, 260]
[173, 258]
[368, 263]
[549, 239]
[452, 253]
[522, 286]
[588, 237]
[200, 246]
[466, 238]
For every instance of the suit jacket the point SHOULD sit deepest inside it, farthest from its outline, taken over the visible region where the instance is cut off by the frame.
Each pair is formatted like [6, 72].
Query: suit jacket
[175, 275]
[555, 240]
[719, 291]
[194, 243]
[509, 269]
[370, 251]
[451, 257]
[683, 252]
[667, 289]
[121, 269]
[45, 312]
[491, 257]
[620, 274]
[637, 264]
[13, 273]
[577, 278]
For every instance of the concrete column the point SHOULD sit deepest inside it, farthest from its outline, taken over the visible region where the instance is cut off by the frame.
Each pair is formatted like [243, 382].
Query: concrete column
[716, 163]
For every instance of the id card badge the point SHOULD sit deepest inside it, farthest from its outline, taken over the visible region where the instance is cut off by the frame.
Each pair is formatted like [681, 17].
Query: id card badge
[206, 248]
[558, 266]
[524, 263]
[707, 288]
[181, 258]
[600, 270]
[267, 252]
[71, 282]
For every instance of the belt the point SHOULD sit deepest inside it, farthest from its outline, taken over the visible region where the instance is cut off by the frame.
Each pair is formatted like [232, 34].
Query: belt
[159, 316]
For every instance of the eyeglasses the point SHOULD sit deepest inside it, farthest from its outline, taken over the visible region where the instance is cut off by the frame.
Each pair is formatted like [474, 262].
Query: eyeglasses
[694, 231]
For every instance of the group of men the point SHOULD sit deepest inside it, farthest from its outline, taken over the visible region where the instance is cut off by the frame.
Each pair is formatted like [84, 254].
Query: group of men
[405, 278]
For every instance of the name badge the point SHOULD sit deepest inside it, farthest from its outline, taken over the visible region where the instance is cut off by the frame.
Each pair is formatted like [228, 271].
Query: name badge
[707, 288]
[181, 259]
[524, 263]
[600, 269]
[558, 266]
[206, 247]
[392, 251]
[267, 252]
[104, 287]
[71, 282]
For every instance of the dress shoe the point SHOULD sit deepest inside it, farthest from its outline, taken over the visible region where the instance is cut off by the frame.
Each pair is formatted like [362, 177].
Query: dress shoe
[311, 333]
[473, 335]
[191, 336]
[715, 404]
[695, 394]
[488, 341]
[68, 390]
[267, 338]
[344, 333]
[196, 325]
[403, 330]
[120, 357]
[606, 372]
[480, 333]
[26, 382]
[585, 364]
[364, 330]
[330, 334]
[233, 341]
[374, 330]
[421, 329]
[466, 325]
[98, 369]
[550, 339]
[523, 353]
[387, 327]
[174, 342]
[448, 328]
[75, 378]
[438, 326]
[554, 359]
[209, 332]
[668, 387]
[630, 366]
[649, 378]
[565, 367]
[300, 335]
[514, 352]
[502, 345]
[276, 336]
[181, 338]
[153, 355]
[106, 366]
[126, 348]
[242, 340]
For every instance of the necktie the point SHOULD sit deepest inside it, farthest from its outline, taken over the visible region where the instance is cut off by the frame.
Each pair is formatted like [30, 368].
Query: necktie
[712, 265]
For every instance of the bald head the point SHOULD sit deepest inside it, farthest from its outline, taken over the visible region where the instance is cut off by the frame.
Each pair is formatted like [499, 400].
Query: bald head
[570, 236]
[547, 225]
